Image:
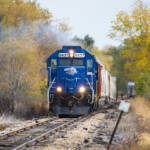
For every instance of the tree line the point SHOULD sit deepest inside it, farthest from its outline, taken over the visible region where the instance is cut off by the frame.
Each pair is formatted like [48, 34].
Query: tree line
[132, 57]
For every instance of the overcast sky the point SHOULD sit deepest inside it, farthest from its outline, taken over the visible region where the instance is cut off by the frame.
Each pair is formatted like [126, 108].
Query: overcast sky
[91, 17]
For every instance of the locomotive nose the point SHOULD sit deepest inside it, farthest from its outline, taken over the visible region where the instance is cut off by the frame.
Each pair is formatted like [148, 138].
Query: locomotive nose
[71, 78]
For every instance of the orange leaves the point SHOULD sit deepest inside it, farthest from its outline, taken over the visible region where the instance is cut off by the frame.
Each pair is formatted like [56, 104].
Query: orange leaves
[64, 27]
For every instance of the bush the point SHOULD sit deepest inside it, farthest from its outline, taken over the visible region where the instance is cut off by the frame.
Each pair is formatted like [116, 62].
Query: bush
[6, 105]
[29, 108]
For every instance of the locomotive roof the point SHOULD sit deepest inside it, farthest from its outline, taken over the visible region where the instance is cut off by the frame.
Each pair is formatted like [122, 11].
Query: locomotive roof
[80, 48]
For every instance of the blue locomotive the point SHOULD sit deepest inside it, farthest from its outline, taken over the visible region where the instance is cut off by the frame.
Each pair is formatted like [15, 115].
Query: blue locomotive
[74, 81]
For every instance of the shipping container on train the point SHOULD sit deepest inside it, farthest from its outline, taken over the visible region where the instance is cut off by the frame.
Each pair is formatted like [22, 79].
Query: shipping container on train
[77, 82]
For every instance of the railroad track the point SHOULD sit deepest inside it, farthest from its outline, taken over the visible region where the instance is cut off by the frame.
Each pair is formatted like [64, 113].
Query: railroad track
[6, 140]
[37, 122]
[33, 134]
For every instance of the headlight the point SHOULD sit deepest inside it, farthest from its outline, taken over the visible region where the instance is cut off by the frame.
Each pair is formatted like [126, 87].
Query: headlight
[82, 89]
[71, 53]
[59, 89]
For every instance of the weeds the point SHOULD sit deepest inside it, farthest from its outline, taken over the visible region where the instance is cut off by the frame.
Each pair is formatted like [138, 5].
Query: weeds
[6, 121]
[141, 107]
[31, 108]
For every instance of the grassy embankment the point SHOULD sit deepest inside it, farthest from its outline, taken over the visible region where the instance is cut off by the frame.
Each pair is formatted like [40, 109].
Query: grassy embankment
[141, 108]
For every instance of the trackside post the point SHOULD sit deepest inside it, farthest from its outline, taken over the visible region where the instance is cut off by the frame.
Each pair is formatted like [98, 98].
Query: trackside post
[123, 107]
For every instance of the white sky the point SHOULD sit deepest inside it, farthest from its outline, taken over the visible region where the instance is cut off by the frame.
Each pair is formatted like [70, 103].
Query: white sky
[91, 17]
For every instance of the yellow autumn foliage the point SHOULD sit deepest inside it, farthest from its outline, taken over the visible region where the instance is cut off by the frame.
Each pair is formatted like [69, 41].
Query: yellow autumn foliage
[28, 59]
[105, 59]
[18, 12]
[134, 30]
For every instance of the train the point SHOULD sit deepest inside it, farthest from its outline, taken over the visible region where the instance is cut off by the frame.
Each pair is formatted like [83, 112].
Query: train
[78, 82]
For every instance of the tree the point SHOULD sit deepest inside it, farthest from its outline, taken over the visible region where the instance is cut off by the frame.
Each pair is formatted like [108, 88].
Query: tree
[134, 30]
[18, 12]
[19, 70]
[117, 68]
[87, 42]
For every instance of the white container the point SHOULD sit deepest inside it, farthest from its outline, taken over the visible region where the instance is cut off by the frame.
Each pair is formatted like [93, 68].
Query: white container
[113, 88]
[103, 82]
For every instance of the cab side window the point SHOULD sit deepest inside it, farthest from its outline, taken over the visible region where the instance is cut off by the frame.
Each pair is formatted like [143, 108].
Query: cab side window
[53, 63]
[89, 64]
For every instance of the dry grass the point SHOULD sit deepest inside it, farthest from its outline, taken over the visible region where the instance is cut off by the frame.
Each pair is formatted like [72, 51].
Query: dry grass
[141, 107]
[26, 109]
[136, 147]
[142, 110]
[6, 121]
[31, 108]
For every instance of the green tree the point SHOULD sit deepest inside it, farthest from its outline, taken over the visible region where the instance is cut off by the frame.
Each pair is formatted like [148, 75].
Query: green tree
[117, 68]
[87, 42]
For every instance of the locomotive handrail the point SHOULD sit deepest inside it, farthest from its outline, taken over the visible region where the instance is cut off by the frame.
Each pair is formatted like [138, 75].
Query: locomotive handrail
[50, 86]
[92, 91]
[50, 73]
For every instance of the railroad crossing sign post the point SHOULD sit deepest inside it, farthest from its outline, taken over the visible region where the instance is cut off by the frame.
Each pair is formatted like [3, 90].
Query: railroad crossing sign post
[123, 107]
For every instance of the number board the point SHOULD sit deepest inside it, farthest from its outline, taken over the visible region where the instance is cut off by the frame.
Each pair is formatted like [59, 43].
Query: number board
[63, 55]
[79, 55]
[76, 55]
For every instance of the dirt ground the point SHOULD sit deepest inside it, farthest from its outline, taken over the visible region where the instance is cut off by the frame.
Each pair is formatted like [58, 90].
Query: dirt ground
[133, 132]
[141, 108]
[93, 134]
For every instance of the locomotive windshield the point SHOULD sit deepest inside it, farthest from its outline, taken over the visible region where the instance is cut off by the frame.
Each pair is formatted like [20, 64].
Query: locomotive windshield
[65, 62]
[89, 64]
[71, 62]
[53, 63]
[77, 62]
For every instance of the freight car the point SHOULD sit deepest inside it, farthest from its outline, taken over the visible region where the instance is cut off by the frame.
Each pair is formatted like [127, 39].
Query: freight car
[77, 82]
